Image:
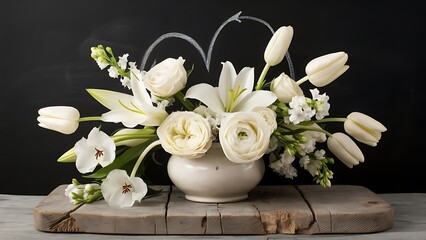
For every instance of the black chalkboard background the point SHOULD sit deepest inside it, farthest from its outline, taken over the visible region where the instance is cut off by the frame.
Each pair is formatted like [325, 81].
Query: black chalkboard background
[45, 60]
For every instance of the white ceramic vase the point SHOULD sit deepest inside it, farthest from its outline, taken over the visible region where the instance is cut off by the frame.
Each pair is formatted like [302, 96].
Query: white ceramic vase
[213, 178]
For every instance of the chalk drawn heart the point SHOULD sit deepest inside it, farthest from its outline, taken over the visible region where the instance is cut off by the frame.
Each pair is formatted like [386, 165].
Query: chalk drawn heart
[206, 58]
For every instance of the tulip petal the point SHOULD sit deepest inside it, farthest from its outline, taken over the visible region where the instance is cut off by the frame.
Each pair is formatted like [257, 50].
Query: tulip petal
[322, 78]
[367, 121]
[362, 134]
[342, 146]
[226, 81]
[260, 98]
[319, 63]
[63, 112]
[208, 95]
[59, 125]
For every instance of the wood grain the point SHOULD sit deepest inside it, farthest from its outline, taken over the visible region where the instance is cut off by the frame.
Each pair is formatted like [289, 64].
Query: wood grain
[305, 209]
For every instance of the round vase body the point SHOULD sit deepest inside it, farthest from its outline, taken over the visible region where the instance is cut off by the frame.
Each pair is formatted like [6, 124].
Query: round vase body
[213, 178]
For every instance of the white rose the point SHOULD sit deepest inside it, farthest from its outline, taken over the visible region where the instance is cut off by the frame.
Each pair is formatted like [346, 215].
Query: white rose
[269, 115]
[244, 136]
[185, 134]
[166, 78]
[285, 88]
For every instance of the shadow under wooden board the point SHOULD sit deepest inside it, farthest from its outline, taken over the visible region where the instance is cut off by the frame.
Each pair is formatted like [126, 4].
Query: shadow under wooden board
[301, 209]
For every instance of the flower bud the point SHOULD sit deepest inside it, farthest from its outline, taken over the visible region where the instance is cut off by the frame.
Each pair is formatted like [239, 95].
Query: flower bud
[62, 119]
[325, 69]
[278, 45]
[345, 149]
[364, 128]
[285, 88]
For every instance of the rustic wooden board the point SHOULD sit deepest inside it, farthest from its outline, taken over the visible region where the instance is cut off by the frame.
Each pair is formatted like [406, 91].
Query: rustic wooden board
[306, 209]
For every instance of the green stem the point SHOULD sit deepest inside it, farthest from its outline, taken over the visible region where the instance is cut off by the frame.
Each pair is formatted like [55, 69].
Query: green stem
[187, 104]
[261, 80]
[92, 118]
[142, 156]
[326, 120]
[314, 129]
[302, 80]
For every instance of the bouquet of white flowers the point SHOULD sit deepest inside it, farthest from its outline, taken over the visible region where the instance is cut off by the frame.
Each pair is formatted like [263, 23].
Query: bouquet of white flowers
[249, 119]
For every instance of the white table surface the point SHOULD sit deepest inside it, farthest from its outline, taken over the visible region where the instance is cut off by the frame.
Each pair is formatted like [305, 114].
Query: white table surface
[16, 222]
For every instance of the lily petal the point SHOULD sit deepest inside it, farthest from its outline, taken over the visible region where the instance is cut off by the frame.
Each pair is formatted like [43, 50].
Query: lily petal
[111, 99]
[208, 95]
[226, 81]
[244, 80]
[260, 98]
[139, 91]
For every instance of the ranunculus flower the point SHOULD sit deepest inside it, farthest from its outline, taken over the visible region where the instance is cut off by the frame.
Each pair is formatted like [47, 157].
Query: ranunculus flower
[234, 94]
[185, 134]
[278, 45]
[285, 88]
[325, 69]
[120, 190]
[269, 115]
[364, 128]
[62, 119]
[166, 78]
[345, 149]
[98, 148]
[244, 136]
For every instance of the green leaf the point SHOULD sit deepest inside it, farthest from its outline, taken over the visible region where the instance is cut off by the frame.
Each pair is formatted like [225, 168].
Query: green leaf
[127, 156]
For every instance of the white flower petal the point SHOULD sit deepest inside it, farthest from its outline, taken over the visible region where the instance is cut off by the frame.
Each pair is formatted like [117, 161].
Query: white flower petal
[60, 125]
[366, 120]
[139, 90]
[244, 80]
[260, 98]
[208, 95]
[62, 112]
[111, 99]
[226, 81]
[86, 161]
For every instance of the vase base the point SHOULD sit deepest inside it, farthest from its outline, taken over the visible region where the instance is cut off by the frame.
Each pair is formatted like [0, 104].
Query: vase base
[202, 199]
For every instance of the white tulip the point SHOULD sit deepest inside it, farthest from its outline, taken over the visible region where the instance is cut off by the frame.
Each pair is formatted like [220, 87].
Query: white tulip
[364, 128]
[285, 88]
[166, 78]
[120, 190]
[278, 45]
[185, 134]
[345, 149]
[325, 69]
[98, 148]
[244, 136]
[62, 119]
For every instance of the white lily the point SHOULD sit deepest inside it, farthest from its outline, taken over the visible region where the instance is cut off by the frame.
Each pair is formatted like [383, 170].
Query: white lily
[345, 149]
[98, 148]
[364, 128]
[234, 93]
[127, 109]
[120, 190]
[62, 119]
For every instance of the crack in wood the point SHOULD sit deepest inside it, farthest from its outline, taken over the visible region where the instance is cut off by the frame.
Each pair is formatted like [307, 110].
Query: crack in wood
[220, 218]
[314, 217]
[167, 207]
[66, 223]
